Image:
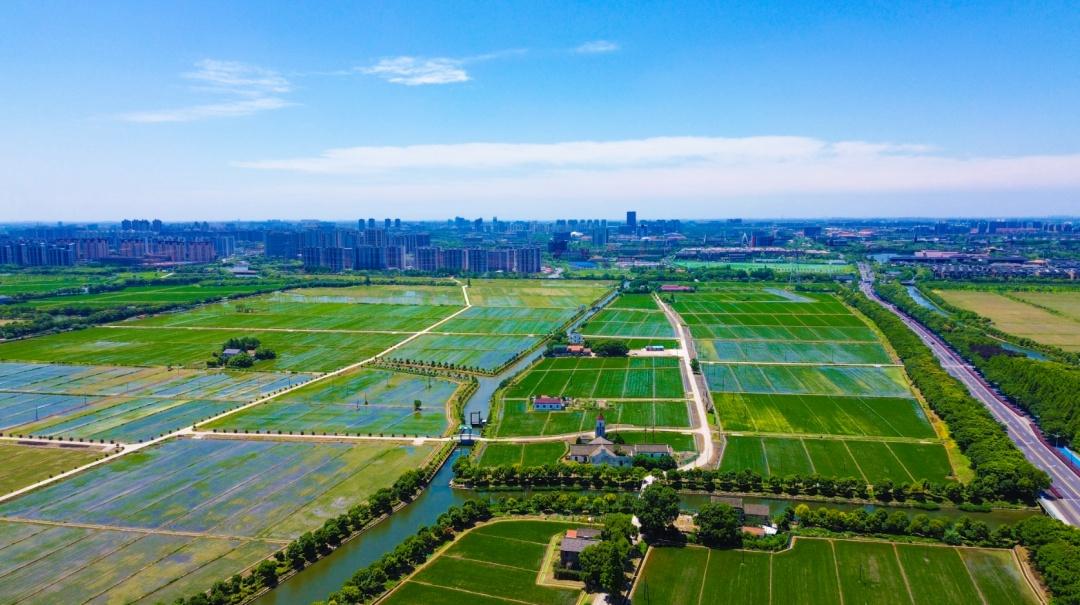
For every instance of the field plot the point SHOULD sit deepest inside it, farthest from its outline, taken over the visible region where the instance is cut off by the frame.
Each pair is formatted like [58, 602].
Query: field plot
[122, 404]
[484, 352]
[13, 284]
[822, 414]
[298, 351]
[165, 293]
[249, 489]
[1026, 320]
[629, 322]
[792, 351]
[816, 571]
[522, 454]
[25, 464]
[449, 294]
[874, 461]
[267, 312]
[807, 380]
[495, 563]
[364, 400]
[517, 419]
[535, 293]
[508, 320]
[602, 378]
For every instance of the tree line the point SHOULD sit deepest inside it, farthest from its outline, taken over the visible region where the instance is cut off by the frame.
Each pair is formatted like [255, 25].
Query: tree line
[1046, 389]
[1001, 471]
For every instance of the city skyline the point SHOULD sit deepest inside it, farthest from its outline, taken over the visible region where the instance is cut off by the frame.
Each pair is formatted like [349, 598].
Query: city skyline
[257, 111]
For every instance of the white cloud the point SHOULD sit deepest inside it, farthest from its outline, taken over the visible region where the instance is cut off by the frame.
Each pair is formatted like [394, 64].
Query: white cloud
[249, 89]
[233, 77]
[214, 110]
[413, 71]
[596, 47]
[670, 168]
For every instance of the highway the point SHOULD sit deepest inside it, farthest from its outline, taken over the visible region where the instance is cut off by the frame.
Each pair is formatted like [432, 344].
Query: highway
[1065, 480]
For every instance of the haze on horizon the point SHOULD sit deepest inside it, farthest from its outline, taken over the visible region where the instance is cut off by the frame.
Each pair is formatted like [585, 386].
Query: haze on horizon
[260, 110]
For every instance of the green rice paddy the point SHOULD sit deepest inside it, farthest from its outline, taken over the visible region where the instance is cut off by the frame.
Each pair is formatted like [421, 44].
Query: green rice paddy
[25, 465]
[487, 353]
[873, 461]
[816, 571]
[522, 454]
[822, 414]
[361, 401]
[516, 418]
[602, 378]
[495, 563]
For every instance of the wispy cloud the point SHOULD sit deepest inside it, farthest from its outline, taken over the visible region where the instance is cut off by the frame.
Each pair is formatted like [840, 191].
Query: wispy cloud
[413, 71]
[596, 47]
[250, 89]
[674, 168]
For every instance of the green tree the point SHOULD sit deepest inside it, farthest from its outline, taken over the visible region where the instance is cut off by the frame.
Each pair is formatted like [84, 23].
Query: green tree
[718, 525]
[416, 404]
[657, 508]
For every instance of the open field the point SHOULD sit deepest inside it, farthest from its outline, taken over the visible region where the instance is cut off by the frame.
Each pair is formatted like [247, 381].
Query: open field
[297, 351]
[122, 403]
[535, 293]
[26, 464]
[1023, 319]
[517, 419]
[362, 401]
[792, 351]
[522, 454]
[484, 352]
[266, 312]
[508, 320]
[493, 564]
[778, 267]
[816, 571]
[818, 414]
[874, 461]
[602, 378]
[162, 294]
[629, 322]
[807, 380]
[252, 489]
[52, 564]
[449, 294]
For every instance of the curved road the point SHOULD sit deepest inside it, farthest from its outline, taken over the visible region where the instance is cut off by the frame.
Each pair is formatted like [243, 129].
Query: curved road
[1065, 481]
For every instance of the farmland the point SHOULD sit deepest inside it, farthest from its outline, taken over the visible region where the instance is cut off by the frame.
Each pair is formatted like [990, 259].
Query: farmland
[25, 465]
[484, 352]
[164, 293]
[522, 454]
[815, 571]
[174, 518]
[600, 378]
[873, 461]
[363, 400]
[493, 563]
[448, 294]
[1051, 318]
[804, 372]
[630, 316]
[255, 489]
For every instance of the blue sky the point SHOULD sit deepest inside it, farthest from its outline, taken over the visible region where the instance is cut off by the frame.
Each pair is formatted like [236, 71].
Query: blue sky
[537, 110]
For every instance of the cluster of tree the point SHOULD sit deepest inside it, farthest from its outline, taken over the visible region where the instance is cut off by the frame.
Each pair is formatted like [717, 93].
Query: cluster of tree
[243, 359]
[376, 578]
[313, 545]
[1044, 388]
[1001, 471]
[437, 365]
[610, 348]
[603, 565]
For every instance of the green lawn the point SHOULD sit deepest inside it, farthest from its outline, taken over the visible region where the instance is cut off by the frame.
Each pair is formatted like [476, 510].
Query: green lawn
[816, 571]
